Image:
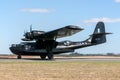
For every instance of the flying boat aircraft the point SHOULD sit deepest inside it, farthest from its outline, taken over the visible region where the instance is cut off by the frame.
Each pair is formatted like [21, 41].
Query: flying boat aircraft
[45, 44]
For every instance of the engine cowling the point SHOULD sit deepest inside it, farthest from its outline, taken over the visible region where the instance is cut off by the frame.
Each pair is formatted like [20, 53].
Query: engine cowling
[32, 35]
[28, 35]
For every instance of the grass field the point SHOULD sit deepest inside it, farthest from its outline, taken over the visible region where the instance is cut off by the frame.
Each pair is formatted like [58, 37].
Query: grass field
[50, 70]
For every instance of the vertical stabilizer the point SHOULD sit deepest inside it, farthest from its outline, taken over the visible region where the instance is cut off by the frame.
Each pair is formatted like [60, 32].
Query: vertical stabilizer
[100, 28]
[99, 35]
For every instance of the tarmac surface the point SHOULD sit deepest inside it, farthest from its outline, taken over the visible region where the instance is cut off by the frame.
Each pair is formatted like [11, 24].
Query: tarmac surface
[10, 58]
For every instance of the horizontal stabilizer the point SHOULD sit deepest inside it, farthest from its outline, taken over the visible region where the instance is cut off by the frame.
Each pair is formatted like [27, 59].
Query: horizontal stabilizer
[100, 34]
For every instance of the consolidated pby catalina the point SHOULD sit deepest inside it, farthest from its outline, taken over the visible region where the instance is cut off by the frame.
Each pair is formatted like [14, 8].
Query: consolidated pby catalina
[44, 44]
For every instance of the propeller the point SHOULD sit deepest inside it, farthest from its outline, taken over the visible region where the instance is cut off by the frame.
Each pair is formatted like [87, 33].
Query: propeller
[29, 35]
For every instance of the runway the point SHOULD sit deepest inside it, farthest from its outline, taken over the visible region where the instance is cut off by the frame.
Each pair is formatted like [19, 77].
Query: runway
[13, 58]
[88, 59]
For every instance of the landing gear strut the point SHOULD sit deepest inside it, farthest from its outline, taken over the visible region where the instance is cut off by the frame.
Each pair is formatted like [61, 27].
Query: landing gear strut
[50, 45]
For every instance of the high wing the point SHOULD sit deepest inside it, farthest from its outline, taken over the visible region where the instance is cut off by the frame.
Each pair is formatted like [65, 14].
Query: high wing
[59, 33]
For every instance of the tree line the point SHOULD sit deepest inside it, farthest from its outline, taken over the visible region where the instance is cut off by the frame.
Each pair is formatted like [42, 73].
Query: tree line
[94, 54]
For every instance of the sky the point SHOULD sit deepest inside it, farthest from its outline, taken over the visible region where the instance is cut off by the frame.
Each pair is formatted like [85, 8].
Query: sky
[16, 16]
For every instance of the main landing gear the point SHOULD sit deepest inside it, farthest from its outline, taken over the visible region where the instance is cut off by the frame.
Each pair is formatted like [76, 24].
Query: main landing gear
[43, 57]
[49, 55]
[48, 45]
[19, 57]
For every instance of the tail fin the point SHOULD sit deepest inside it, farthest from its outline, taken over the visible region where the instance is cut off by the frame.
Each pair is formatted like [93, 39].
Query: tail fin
[99, 35]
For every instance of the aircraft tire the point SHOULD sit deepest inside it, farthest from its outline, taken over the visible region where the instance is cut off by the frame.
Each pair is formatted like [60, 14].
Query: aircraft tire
[19, 57]
[50, 56]
[43, 57]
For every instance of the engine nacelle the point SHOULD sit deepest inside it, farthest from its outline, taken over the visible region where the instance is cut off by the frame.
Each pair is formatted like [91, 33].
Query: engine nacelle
[33, 34]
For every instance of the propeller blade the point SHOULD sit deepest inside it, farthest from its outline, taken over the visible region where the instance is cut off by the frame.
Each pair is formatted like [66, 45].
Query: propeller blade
[31, 28]
[25, 31]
